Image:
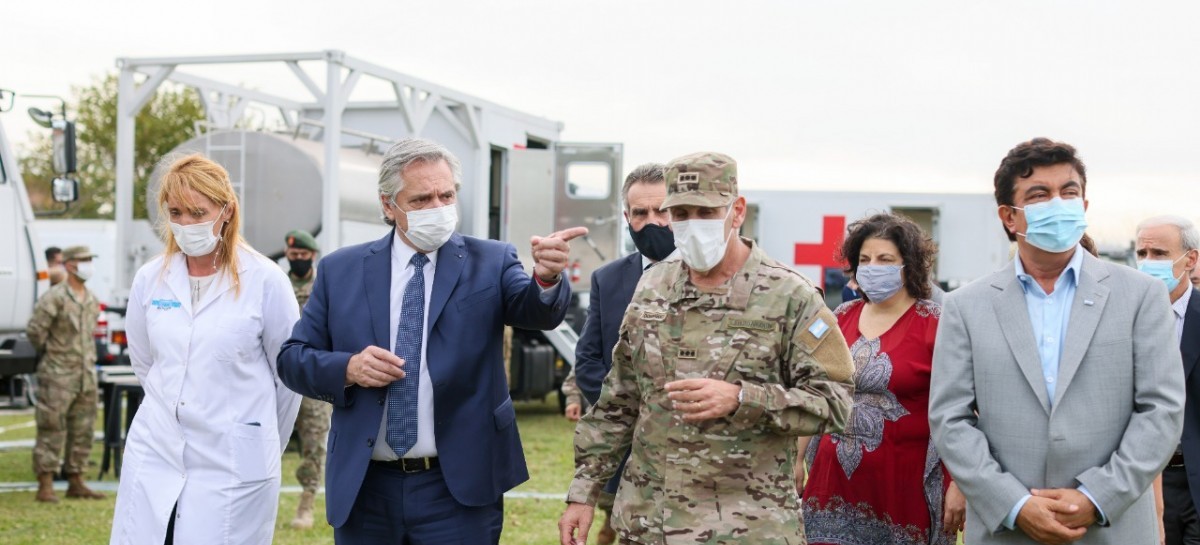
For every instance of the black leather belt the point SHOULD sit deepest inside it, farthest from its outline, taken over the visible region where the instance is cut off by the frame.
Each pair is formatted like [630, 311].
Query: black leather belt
[1176, 460]
[409, 465]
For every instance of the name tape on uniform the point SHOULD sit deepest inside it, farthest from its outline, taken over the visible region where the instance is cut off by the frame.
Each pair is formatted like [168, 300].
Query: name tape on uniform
[748, 323]
[652, 316]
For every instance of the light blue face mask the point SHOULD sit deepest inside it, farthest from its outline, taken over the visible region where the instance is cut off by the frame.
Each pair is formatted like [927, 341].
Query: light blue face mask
[1055, 225]
[879, 282]
[1163, 270]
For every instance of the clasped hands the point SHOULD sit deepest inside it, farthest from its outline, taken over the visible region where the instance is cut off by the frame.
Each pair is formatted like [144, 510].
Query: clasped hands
[1056, 516]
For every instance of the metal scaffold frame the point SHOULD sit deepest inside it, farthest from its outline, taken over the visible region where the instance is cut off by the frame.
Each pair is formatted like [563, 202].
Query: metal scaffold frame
[416, 100]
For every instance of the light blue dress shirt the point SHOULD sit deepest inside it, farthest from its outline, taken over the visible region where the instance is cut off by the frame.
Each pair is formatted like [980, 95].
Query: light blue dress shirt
[1050, 314]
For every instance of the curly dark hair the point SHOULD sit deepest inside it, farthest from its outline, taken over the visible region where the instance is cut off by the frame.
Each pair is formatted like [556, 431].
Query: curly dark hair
[1020, 162]
[916, 249]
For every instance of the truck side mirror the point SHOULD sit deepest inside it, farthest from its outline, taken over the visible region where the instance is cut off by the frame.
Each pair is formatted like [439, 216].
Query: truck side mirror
[64, 150]
[64, 190]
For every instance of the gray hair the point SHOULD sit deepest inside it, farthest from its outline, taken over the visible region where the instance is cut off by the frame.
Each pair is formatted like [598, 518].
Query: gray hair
[406, 152]
[1188, 234]
[646, 173]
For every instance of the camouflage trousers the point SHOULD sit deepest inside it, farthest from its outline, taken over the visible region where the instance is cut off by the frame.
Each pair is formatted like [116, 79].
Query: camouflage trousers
[312, 426]
[66, 417]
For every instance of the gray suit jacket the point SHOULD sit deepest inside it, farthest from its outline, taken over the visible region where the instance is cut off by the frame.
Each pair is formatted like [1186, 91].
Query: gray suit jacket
[1117, 411]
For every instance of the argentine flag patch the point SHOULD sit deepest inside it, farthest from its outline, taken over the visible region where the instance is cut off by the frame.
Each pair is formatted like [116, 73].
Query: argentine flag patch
[818, 328]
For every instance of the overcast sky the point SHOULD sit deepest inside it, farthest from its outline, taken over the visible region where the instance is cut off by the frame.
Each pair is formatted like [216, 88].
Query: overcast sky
[881, 95]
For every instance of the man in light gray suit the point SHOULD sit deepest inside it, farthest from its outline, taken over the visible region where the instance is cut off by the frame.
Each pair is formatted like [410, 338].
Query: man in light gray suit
[1057, 388]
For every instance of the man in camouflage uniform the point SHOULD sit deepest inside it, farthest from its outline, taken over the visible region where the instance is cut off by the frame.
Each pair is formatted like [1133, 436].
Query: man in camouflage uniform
[573, 397]
[312, 424]
[61, 329]
[725, 357]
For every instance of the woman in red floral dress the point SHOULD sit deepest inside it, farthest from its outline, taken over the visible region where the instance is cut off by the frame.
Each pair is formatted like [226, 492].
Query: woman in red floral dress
[880, 481]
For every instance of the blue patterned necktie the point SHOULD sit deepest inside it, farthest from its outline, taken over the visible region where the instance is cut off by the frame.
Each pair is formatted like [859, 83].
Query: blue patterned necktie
[402, 394]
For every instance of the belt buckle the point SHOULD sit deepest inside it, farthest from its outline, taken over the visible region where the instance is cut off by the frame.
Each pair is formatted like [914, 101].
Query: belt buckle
[421, 465]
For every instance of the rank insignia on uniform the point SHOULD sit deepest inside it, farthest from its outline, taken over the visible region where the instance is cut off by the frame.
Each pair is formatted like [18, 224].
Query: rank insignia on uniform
[687, 353]
[653, 316]
[818, 328]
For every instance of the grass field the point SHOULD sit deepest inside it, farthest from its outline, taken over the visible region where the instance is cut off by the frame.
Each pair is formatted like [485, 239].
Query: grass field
[545, 434]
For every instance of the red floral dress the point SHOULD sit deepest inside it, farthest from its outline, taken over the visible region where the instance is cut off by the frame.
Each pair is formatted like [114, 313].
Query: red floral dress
[880, 481]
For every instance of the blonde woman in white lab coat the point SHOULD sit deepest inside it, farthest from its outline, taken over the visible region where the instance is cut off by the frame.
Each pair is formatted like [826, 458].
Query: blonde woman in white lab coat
[205, 323]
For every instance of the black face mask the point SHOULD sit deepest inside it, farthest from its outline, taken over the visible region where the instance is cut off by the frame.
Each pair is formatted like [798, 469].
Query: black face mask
[300, 267]
[653, 241]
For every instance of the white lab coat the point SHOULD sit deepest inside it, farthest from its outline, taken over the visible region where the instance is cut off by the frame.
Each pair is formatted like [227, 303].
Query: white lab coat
[210, 431]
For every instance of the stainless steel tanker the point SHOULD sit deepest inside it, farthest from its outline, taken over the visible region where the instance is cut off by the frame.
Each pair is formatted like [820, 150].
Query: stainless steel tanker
[279, 180]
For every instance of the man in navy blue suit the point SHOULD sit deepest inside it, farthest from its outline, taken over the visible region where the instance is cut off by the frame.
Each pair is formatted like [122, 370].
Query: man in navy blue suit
[403, 336]
[612, 289]
[1168, 248]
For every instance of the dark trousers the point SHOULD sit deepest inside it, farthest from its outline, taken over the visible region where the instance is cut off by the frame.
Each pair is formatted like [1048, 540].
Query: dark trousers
[171, 527]
[1179, 513]
[397, 508]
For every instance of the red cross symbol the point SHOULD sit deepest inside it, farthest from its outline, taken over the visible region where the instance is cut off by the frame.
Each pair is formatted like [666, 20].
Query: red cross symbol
[824, 253]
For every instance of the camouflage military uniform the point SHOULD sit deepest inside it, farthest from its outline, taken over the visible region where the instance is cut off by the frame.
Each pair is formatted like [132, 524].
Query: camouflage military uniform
[61, 328]
[570, 391]
[728, 479]
[312, 423]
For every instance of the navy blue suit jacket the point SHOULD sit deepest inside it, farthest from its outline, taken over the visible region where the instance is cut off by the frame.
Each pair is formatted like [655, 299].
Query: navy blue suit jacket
[1189, 347]
[478, 287]
[612, 290]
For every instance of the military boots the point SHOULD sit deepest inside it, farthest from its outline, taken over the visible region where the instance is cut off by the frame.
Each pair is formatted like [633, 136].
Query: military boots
[77, 489]
[45, 491]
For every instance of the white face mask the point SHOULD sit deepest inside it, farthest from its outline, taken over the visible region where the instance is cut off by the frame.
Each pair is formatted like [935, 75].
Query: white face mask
[197, 239]
[429, 229]
[84, 270]
[701, 243]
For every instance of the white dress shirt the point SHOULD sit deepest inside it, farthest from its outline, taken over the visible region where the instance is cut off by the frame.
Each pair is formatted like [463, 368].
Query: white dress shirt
[402, 272]
[1180, 308]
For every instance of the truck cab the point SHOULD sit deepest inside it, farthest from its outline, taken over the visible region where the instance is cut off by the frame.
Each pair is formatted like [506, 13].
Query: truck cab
[23, 271]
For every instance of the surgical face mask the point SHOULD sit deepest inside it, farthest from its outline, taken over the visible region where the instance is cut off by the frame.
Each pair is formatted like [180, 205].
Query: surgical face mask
[879, 282]
[300, 267]
[430, 228]
[702, 243]
[1163, 270]
[1055, 225]
[197, 239]
[653, 241]
[84, 270]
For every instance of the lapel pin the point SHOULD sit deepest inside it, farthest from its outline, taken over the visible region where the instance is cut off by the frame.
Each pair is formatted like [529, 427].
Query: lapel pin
[1088, 302]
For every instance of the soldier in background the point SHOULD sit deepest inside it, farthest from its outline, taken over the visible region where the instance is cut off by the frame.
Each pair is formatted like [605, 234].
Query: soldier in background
[54, 256]
[54, 264]
[574, 398]
[61, 329]
[312, 424]
[725, 356]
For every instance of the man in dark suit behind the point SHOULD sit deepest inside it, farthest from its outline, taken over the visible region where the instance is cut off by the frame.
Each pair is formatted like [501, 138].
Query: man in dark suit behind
[612, 289]
[403, 336]
[1167, 249]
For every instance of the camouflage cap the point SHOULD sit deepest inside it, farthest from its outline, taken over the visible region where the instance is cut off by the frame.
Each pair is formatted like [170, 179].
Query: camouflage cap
[299, 238]
[77, 252]
[701, 179]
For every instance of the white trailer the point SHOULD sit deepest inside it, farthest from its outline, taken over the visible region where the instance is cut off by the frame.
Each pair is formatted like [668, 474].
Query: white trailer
[319, 171]
[805, 230]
